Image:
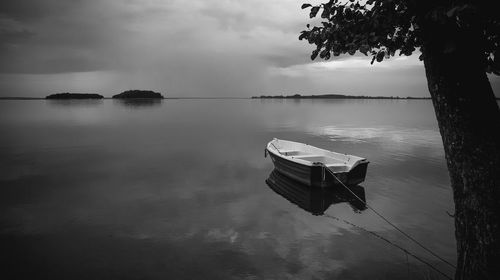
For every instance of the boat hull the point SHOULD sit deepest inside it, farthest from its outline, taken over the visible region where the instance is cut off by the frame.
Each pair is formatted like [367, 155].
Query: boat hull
[315, 175]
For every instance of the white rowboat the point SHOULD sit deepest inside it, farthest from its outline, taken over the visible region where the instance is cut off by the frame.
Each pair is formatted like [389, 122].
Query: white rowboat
[308, 164]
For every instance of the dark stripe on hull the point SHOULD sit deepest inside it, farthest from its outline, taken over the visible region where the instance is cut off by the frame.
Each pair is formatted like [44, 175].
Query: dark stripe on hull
[314, 176]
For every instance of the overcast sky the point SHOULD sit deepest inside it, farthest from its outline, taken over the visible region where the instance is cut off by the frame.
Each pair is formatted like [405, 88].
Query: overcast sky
[221, 48]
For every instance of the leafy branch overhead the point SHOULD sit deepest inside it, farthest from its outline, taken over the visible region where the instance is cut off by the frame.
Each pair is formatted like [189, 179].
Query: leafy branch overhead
[384, 28]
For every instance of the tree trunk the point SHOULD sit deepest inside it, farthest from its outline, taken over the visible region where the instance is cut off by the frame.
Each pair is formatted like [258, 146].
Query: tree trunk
[469, 122]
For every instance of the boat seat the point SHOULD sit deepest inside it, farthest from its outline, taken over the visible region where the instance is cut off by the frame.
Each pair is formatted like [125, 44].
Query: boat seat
[328, 161]
[310, 157]
[337, 167]
[289, 152]
[335, 164]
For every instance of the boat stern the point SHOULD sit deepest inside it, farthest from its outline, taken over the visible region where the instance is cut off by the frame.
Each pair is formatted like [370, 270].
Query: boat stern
[357, 175]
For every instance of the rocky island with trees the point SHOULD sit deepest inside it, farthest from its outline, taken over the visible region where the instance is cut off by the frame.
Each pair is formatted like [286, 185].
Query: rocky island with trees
[137, 94]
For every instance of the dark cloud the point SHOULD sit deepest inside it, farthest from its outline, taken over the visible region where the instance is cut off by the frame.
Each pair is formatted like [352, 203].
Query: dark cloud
[194, 48]
[12, 32]
[54, 37]
[34, 10]
[15, 36]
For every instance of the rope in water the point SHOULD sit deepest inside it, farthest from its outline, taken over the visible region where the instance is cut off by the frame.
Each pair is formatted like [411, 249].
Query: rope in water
[393, 244]
[390, 223]
[386, 220]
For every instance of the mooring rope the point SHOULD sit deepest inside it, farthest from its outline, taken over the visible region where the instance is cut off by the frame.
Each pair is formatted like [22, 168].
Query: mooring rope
[389, 222]
[391, 243]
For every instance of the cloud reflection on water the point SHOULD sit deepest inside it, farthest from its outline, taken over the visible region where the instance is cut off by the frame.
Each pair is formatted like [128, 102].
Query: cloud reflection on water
[178, 190]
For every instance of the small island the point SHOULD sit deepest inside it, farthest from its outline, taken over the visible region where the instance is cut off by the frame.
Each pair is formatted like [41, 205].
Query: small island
[332, 96]
[67, 95]
[132, 94]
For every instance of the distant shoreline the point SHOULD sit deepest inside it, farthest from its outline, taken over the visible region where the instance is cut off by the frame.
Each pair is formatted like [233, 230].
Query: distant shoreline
[111, 98]
[254, 97]
[69, 96]
[334, 96]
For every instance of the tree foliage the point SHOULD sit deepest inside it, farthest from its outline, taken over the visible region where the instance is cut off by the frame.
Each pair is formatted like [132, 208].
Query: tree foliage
[384, 28]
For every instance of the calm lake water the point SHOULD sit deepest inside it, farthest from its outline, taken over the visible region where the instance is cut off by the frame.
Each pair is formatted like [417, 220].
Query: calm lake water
[176, 189]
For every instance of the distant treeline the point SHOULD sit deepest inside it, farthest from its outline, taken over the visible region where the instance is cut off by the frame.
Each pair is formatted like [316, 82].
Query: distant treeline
[332, 96]
[67, 95]
[129, 94]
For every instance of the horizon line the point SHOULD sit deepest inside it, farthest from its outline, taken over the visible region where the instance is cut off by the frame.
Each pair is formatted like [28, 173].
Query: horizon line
[220, 97]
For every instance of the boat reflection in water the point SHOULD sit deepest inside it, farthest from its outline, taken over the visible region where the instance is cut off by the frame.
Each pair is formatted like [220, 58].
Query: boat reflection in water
[315, 200]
